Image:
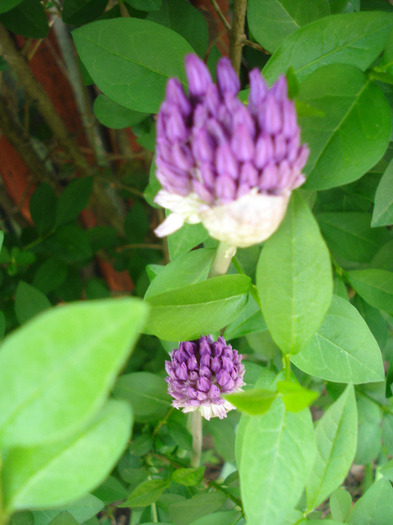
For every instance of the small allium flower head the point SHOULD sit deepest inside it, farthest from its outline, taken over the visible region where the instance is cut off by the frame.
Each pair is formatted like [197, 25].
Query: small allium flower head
[199, 372]
[230, 166]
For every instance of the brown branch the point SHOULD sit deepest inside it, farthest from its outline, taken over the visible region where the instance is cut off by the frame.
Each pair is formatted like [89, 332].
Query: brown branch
[35, 91]
[255, 45]
[236, 35]
[223, 18]
[20, 139]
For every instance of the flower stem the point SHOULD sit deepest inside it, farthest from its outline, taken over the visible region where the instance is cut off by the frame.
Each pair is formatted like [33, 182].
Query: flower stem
[196, 423]
[222, 260]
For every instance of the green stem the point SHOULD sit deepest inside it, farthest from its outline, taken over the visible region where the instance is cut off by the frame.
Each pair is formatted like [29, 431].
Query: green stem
[222, 260]
[236, 35]
[196, 425]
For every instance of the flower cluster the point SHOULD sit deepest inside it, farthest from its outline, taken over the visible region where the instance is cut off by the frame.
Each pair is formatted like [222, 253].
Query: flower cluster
[220, 162]
[200, 371]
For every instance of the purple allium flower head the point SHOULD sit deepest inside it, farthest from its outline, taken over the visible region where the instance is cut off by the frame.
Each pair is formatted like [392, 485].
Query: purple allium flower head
[230, 166]
[200, 371]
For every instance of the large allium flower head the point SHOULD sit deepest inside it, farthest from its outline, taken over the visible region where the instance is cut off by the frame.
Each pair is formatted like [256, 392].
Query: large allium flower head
[230, 166]
[200, 371]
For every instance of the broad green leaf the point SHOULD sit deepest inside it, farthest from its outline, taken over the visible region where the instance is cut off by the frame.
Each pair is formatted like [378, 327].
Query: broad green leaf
[186, 20]
[78, 12]
[374, 286]
[3, 325]
[374, 319]
[7, 5]
[343, 350]
[383, 209]
[146, 392]
[383, 258]
[270, 21]
[186, 511]
[73, 200]
[27, 18]
[64, 518]
[29, 302]
[249, 320]
[369, 431]
[82, 510]
[254, 402]
[387, 470]
[278, 450]
[146, 493]
[70, 244]
[145, 5]
[294, 396]
[354, 131]
[201, 308]
[340, 504]
[52, 396]
[189, 268]
[51, 274]
[336, 435]
[226, 517]
[188, 476]
[295, 289]
[182, 241]
[355, 38]
[124, 56]
[350, 236]
[375, 507]
[114, 115]
[43, 204]
[59, 472]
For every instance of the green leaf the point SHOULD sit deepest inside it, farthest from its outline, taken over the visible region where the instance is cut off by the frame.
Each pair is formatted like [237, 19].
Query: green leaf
[343, 350]
[146, 493]
[369, 431]
[189, 268]
[43, 205]
[278, 450]
[354, 38]
[70, 244]
[7, 5]
[3, 325]
[64, 518]
[340, 504]
[125, 55]
[182, 241]
[226, 517]
[78, 12]
[147, 394]
[186, 20]
[27, 18]
[295, 289]
[254, 402]
[115, 116]
[52, 397]
[249, 321]
[145, 5]
[29, 302]
[50, 275]
[294, 396]
[201, 308]
[374, 286]
[350, 236]
[73, 200]
[383, 208]
[270, 21]
[375, 507]
[59, 472]
[188, 476]
[336, 435]
[185, 511]
[82, 510]
[355, 130]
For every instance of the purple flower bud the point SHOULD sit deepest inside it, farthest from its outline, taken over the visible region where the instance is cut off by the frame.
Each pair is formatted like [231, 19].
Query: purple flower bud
[219, 161]
[226, 162]
[198, 382]
[228, 81]
[176, 97]
[198, 76]
[258, 90]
